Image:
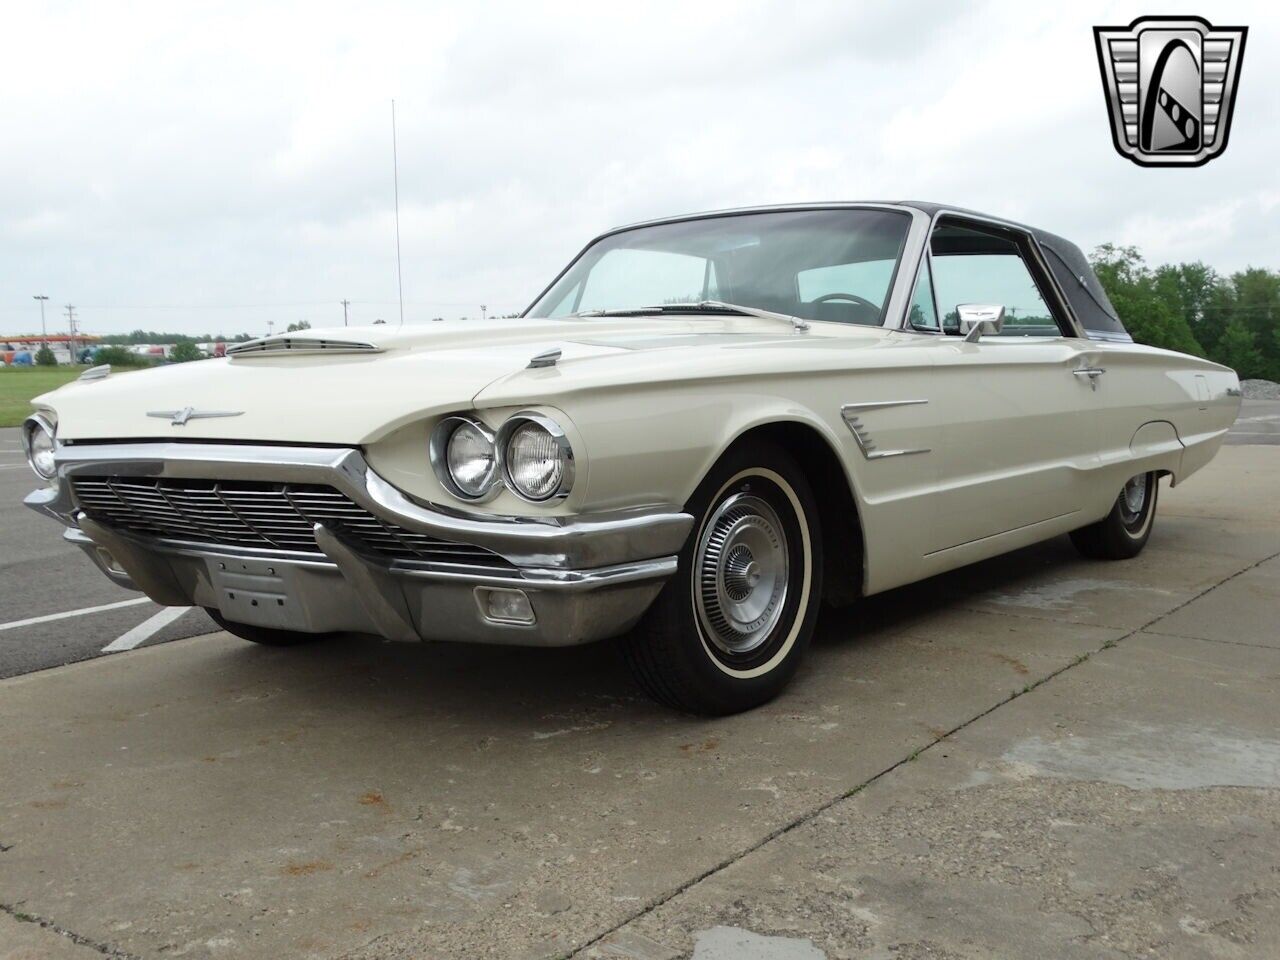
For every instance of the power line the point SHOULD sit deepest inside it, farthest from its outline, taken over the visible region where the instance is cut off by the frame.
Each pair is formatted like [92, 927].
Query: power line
[71, 331]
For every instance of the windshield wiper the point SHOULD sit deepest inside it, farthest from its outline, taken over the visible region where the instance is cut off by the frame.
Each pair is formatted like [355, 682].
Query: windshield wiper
[617, 312]
[715, 306]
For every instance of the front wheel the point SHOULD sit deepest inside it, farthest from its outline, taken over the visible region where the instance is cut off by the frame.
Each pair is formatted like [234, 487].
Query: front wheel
[729, 629]
[1123, 532]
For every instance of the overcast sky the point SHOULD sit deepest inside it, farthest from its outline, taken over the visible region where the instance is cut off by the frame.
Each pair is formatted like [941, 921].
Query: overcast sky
[173, 166]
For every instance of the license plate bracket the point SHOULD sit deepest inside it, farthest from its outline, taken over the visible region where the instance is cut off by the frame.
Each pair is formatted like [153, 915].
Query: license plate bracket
[256, 592]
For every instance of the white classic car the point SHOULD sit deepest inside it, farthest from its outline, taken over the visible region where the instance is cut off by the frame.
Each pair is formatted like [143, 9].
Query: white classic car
[701, 430]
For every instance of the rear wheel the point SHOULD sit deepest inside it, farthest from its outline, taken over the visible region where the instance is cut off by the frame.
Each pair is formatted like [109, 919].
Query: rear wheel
[267, 636]
[1123, 532]
[729, 629]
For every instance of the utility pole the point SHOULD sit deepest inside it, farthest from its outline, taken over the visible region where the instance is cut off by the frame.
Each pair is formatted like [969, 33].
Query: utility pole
[71, 329]
[345, 304]
[270, 325]
[484, 312]
[44, 333]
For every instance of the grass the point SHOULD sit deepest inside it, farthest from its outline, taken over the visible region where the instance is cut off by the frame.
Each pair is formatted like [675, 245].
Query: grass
[19, 384]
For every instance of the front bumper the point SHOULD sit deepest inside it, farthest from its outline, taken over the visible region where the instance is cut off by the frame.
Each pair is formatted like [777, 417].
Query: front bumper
[586, 577]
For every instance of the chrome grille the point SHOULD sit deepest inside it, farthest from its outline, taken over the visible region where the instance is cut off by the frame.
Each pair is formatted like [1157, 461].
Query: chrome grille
[246, 513]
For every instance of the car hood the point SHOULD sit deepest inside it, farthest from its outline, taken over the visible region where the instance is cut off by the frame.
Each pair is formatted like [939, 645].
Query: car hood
[354, 385]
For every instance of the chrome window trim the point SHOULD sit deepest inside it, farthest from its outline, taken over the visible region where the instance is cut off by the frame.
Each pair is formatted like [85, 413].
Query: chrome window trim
[892, 306]
[1064, 304]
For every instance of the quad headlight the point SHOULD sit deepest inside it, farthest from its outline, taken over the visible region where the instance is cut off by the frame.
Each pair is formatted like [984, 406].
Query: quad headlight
[464, 454]
[530, 455]
[39, 441]
[537, 458]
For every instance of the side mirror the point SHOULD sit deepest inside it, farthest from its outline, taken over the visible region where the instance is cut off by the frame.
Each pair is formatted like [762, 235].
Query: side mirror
[979, 319]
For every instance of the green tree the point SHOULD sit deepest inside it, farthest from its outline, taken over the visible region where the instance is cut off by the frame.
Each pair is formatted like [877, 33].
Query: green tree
[45, 358]
[300, 325]
[118, 356]
[1238, 350]
[1153, 313]
[1189, 288]
[185, 352]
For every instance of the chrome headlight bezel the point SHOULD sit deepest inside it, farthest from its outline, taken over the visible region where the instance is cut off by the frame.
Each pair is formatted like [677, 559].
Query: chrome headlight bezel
[438, 450]
[563, 447]
[40, 422]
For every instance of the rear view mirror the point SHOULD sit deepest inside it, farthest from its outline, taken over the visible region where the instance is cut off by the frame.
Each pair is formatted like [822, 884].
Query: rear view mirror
[979, 320]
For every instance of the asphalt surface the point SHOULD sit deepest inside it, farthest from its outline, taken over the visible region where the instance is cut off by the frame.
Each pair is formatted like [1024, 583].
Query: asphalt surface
[1259, 422]
[40, 575]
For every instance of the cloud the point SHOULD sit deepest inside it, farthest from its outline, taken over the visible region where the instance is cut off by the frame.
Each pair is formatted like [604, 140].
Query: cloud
[204, 169]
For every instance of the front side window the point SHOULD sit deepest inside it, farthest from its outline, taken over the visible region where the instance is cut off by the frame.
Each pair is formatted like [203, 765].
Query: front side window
[978, 266]
[833, 265]
[923, 312]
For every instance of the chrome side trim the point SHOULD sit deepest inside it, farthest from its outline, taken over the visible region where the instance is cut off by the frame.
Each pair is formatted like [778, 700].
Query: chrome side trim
[862, 436]
[562, 543]
[878, 404]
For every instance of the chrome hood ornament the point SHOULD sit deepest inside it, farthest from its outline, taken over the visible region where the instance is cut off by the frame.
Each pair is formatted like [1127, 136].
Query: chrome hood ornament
[179, 418]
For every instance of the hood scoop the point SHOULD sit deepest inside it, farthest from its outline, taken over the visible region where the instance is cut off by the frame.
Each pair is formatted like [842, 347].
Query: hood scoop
[299, 346]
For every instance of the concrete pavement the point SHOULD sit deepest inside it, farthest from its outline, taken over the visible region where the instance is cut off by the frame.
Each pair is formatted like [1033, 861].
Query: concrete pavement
[1036, 755]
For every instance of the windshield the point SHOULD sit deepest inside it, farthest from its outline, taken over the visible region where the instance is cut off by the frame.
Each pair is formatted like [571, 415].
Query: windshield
[833, 265]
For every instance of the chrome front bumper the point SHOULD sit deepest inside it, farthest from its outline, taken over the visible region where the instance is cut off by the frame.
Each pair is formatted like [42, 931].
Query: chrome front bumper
[586, 577]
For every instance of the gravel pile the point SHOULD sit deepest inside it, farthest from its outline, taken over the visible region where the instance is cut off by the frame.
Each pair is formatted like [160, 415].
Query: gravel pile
[1260, 389]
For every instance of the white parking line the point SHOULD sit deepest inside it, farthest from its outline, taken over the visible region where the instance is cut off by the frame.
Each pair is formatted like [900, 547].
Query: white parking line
[14, 625]
[145, 630]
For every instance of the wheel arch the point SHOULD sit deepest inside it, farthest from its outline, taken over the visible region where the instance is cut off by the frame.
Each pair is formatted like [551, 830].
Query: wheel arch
[839, 515]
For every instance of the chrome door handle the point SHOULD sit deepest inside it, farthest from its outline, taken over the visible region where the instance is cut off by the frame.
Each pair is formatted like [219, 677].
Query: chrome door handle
[1093, 373]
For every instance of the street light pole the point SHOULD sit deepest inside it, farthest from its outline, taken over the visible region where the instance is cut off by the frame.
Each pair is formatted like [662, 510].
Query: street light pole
[44, 334]
[345, 304]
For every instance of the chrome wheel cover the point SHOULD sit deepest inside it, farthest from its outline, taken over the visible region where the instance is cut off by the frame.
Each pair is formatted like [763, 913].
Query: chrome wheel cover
[1133, 498]
[740, 573]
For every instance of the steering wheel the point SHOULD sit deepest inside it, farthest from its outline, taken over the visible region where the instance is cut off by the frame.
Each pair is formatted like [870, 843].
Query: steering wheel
[852, 297]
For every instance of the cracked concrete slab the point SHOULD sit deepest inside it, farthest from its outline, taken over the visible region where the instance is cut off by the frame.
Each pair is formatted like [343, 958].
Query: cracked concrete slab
[1091, 818]
[26, 939]
[1244, 610]
[372, 801]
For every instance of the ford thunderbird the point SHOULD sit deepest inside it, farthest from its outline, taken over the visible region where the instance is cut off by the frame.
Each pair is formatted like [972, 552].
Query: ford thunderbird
[703, 429]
